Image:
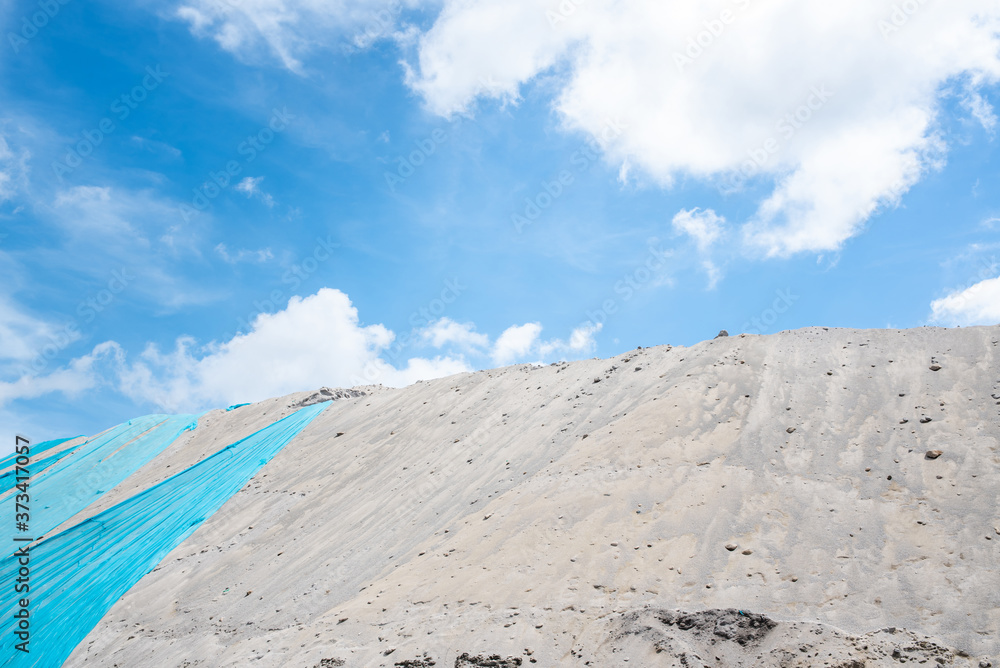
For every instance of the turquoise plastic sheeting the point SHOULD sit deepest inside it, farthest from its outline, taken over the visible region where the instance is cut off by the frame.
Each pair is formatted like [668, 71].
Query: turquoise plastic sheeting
[35, 450]
[78, 574]
[235, 406]
[77, 480]
[7, 479]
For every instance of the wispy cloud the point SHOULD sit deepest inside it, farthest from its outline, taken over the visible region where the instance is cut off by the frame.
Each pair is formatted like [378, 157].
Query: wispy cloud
[76, 377]
[100, 228]
[154, 146]
[250, 186]
[13, 169]
[243, 254]
[706, 228]
[981, 110]
[288, 29]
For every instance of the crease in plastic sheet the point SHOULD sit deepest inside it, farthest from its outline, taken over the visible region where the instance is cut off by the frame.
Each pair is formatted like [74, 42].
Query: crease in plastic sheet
[67, 486]
[7, 478]
[36, 449]
[78, 574]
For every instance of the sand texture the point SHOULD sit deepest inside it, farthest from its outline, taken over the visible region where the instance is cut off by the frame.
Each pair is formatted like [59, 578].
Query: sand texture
[821, 497]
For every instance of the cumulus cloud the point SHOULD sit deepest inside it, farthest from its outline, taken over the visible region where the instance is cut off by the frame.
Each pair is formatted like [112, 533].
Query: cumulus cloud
[516, 342]
[979, 304]
[736, 91]
[317, 340]
[581, 342]
[448, 332]
[727, 91]
[521, 342]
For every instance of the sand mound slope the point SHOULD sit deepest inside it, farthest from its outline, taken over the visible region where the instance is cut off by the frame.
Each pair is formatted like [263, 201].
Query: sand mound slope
[833, 481]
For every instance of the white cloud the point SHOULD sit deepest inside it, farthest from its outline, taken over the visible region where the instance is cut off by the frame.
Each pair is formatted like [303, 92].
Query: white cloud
[723, 91]
[520, 342]
[981, 110]
[153, 146]
[448, 332]
[92, 212]
[714, 273]
[13, 170]
[581, 342]
[22, 335]
[6, 190]
[770, 90]
[516, 342]
[29, 343]
[71, 380]
[705, 227]
[105, 227]
[250, 186]
[317, 340]
[118, 221]
[288, 29]
[978, 304]
[243, 254]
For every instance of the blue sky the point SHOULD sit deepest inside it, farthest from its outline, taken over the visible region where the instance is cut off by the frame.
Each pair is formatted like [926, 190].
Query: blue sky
[205, 202]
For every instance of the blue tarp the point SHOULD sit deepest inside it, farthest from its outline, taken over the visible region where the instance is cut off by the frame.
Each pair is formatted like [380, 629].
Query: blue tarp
[8, 478]
[77, 480]
[35, 451]
[78, 574]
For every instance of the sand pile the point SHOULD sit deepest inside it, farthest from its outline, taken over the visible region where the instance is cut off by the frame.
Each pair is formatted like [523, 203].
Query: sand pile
[810, 498]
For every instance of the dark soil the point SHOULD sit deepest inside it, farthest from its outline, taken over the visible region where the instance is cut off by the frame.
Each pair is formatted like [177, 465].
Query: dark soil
[494, 661]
